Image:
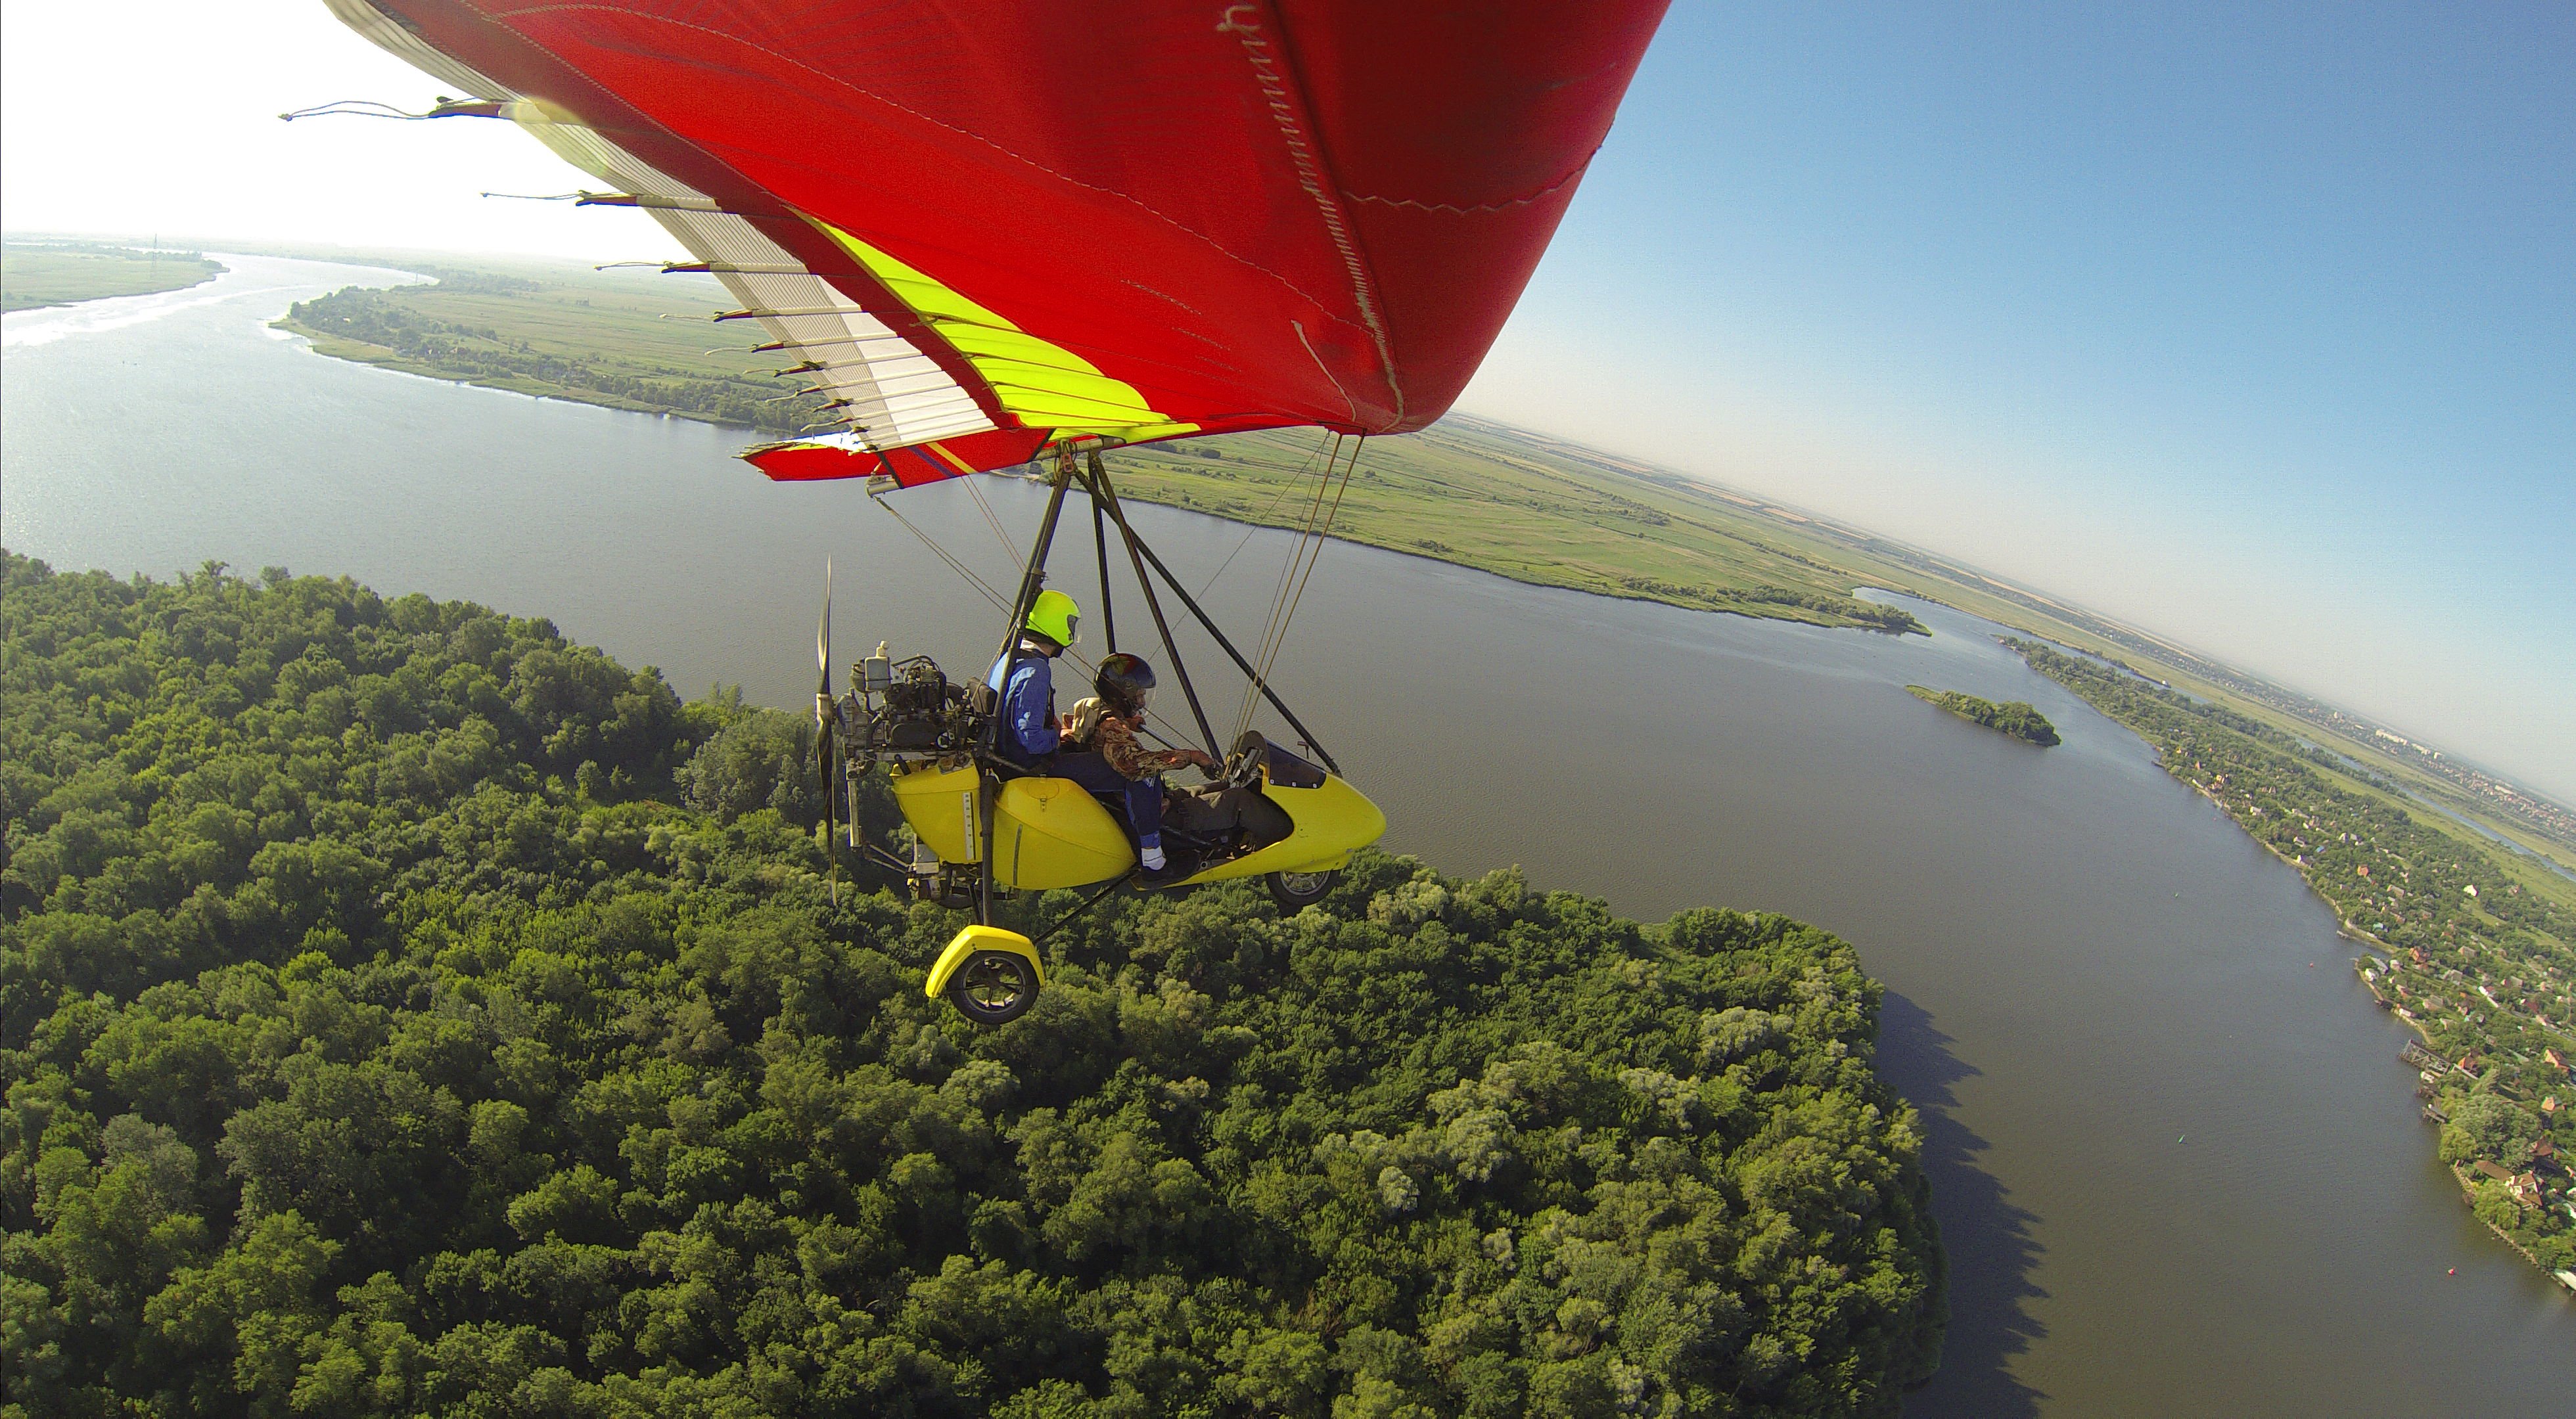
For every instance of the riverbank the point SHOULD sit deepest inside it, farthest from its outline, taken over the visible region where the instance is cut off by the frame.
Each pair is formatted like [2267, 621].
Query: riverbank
[2481, 947]
[1470, 493]
[34, 276]
[2434, 1066]
[618, 342]
[2469, 1194]
[1499, 500]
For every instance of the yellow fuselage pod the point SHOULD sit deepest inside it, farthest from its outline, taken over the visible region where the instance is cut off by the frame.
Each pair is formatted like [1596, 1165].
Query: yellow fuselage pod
[1049, 832]
[939, 803]
[1333, 821]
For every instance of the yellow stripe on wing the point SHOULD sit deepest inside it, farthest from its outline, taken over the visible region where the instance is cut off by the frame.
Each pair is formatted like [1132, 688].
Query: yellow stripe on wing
[1039, 383]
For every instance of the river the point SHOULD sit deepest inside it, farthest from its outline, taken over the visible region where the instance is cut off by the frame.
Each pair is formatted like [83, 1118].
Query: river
[2175, 1158]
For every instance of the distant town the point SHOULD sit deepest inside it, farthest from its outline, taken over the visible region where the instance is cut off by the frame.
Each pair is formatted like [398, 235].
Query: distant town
[2542, 815]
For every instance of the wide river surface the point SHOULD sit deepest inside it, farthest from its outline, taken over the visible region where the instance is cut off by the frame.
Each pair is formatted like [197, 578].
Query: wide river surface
[2175, 1159]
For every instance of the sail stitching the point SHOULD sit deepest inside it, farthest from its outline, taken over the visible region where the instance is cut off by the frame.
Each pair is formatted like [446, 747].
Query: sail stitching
[1310, 176]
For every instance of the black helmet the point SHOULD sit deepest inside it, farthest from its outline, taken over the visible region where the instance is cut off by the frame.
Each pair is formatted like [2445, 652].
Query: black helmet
[1122, 680]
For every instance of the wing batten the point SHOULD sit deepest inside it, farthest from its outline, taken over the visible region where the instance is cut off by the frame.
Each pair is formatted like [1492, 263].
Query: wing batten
[894, 391]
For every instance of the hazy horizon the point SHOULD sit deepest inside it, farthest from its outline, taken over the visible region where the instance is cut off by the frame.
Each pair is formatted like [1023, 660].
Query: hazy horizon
[2250, 326]
[2254, 331]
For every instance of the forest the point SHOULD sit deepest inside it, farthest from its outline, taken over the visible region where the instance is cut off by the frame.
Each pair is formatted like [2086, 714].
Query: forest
[2480, 964]
[406, 1010]
[2015, 719]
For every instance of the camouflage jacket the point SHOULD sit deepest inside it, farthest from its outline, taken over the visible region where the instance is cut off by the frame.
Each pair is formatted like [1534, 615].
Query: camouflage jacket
[1114, 739]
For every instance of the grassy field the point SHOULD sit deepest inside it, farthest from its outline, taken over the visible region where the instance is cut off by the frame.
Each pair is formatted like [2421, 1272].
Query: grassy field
[626, 341]
[32, 276]
[1469, 491]
[1494, 498]
[1474, 493]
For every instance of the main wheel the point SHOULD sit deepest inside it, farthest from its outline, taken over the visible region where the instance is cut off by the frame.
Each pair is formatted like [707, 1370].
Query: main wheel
[1296, 891]
[994, 987]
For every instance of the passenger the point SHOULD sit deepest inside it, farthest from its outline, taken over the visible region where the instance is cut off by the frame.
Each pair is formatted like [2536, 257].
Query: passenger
[1111, 761]
[1023, 683]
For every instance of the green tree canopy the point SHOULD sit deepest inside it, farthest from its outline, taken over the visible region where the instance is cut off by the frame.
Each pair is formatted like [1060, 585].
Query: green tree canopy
[407, 1011]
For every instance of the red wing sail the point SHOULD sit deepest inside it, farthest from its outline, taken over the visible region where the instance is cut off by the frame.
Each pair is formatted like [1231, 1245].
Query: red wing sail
[982, 226]
[807, 461]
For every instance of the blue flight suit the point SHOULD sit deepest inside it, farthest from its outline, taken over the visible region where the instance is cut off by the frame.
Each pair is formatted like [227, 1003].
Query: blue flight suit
[1025, 682]
[1029, 739]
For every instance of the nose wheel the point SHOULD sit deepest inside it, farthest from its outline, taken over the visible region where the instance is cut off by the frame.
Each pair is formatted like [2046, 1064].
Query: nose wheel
[994, 987]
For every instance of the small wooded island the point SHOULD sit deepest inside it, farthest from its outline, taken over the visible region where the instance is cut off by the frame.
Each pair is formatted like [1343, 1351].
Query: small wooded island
[2017, 718]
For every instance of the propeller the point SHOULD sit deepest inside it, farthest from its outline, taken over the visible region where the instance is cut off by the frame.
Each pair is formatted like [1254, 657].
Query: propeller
[823, 642]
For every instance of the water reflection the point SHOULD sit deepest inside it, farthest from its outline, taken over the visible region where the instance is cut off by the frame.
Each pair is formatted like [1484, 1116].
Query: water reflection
[1988, 1240]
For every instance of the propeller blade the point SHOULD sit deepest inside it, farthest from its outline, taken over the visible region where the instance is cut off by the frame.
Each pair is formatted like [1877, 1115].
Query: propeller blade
[823, 637]
[823, 747]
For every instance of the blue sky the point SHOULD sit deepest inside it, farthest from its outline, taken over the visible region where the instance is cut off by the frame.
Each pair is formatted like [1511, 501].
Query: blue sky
[2253, 325]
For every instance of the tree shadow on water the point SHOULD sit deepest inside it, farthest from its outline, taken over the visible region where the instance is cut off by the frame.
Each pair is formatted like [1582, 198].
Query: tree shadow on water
[1986, 1239]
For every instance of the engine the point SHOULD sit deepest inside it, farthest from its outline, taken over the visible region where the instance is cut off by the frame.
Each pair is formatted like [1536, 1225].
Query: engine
[906, 712]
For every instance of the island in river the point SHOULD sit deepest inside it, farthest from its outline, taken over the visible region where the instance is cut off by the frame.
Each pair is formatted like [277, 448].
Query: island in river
[2014, 720]
[411, 1004]
[36, 274]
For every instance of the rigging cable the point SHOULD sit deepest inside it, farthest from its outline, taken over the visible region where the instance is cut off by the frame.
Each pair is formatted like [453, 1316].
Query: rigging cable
[1301, 470]
[1308, 549]
[369, 108]
[1296, 548]
[1323, 535]
[1287, 577]
[943, 554]
[990, 520]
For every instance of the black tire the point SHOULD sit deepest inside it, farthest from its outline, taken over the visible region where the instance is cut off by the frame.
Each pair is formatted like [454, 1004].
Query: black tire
[1296, 891]
[994, 987]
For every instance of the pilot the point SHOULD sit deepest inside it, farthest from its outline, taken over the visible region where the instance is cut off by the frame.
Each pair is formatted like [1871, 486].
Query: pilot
[1107, 759]
[1023, 683]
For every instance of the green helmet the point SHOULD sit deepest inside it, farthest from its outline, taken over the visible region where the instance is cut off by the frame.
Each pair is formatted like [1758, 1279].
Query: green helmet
[1055, 617]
